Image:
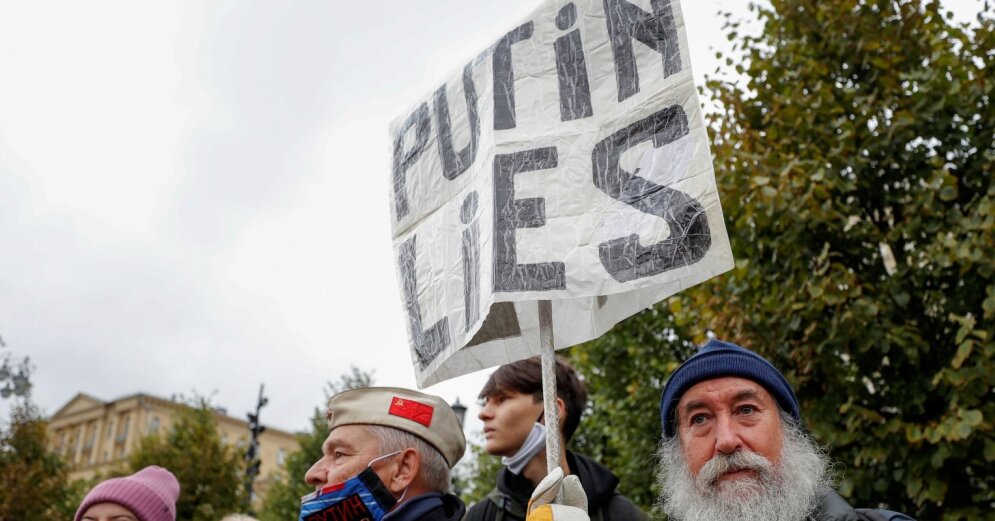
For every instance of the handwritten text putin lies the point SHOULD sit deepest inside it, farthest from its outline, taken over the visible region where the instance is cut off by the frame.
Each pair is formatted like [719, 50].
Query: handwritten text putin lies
[631, 31]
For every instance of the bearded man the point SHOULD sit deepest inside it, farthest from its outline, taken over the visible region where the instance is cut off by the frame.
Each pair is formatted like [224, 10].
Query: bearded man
[733, 448]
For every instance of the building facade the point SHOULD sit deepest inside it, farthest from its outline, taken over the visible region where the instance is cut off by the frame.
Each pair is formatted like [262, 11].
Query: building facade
[96, 436]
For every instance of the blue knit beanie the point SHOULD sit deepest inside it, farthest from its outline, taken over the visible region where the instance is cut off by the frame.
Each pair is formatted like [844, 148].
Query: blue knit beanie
[716, 359]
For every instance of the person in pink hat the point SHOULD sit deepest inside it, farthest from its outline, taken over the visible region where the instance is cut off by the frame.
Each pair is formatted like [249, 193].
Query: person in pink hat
[147, 495]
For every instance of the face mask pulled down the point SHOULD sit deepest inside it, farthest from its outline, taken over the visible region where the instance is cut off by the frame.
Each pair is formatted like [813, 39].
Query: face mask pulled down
[360, 498]
[534, 444]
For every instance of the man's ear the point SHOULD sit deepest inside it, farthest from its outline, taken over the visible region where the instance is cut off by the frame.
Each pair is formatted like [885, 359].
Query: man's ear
[561, 411]
[408, 466]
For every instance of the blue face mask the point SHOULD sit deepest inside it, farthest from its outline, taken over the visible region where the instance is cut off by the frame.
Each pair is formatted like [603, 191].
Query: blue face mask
[360, 498]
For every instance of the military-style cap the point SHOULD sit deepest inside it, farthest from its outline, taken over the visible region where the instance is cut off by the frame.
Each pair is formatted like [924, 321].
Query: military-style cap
[426, 416]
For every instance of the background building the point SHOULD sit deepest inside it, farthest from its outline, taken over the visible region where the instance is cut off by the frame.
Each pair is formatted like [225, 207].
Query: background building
[96, 436]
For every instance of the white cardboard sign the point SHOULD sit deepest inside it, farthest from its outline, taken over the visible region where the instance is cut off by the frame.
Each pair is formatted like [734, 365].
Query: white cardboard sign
[567, 162]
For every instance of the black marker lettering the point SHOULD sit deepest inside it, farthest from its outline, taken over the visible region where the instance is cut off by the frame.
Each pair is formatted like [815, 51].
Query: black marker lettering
[471, 259]
[504, 77]
[428, 343]
[510, 214]
[571, 69]
[454, 164]
[656, 30]
[403, 160]
[624, 258]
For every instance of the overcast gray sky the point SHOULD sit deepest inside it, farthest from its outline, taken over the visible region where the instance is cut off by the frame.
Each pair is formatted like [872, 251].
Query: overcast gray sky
[193, 195]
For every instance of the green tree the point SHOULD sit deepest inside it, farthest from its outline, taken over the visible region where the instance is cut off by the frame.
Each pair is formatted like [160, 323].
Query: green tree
[33, 479]
[476, 475]
[209, 471]
[15, 376]
[621, 427]
[854, 158]
[283, 501]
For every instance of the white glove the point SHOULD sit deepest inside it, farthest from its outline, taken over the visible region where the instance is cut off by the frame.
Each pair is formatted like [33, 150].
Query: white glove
[574, 507]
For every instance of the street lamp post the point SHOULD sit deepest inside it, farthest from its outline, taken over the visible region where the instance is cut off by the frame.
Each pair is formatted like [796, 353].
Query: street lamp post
[252, 460]
[460, 411]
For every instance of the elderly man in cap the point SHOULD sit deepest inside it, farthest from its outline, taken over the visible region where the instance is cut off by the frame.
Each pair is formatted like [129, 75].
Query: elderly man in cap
[387, 456]
[734, 448]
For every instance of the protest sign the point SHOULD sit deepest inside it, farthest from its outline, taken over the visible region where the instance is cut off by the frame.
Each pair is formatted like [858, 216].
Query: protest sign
[567, 162]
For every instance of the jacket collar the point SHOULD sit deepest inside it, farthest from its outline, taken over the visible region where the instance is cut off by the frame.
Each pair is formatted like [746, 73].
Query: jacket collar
[832, 507]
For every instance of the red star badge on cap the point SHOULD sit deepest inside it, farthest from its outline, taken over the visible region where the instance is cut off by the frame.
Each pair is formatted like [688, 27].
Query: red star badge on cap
[415, 411]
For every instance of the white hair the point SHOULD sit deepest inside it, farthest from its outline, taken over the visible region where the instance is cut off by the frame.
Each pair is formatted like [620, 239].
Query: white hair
[786, 491]
[434, 472]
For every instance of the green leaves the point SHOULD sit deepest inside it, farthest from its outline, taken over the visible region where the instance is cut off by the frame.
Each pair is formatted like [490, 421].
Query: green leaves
[963, 351]
[989, 450]
[33, 481]
[283, 500]
[208, 470]
[857, 125]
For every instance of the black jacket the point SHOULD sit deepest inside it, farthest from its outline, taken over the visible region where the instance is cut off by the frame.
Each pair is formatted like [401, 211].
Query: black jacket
[513, 492]
[429, 507]
[834, 508]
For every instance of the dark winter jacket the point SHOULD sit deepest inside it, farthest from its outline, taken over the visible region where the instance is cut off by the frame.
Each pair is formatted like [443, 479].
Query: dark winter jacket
[433, 506]
[508, 501]
[834, 508]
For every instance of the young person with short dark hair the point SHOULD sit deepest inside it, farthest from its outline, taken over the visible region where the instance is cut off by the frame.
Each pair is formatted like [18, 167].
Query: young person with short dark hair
[514, 428]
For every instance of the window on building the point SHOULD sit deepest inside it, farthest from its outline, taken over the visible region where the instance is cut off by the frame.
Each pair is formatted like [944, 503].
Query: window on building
[77, 441]
[281, 456]
[71, 447]
[123, 431]
[91, 435]
[154, 424]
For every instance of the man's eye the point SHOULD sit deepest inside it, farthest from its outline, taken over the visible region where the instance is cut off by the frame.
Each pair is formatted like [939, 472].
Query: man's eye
[747, 409]
[494, 399]
[698, 419]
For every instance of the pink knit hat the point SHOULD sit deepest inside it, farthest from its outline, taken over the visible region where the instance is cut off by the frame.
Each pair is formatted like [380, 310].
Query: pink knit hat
[149, 493]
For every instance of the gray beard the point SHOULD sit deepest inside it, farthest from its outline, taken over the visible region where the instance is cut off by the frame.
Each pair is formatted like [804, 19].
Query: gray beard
[787, 491]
